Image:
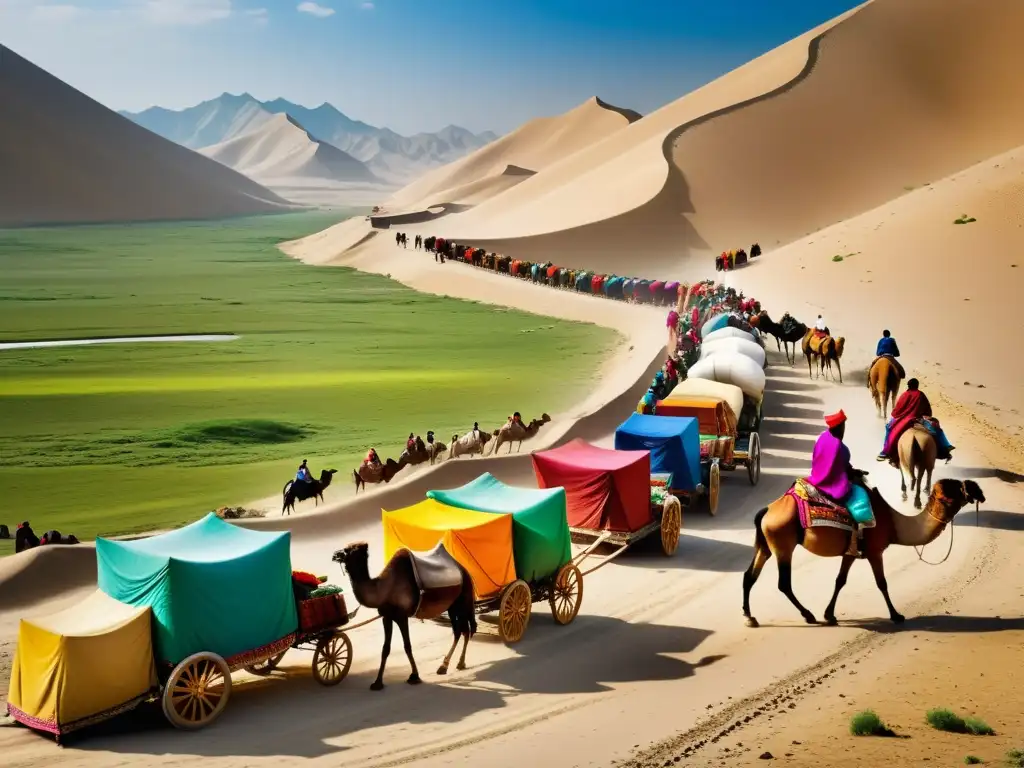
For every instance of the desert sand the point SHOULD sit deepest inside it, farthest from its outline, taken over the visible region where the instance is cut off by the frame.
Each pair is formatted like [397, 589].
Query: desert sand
[68, 159]
[659, 668]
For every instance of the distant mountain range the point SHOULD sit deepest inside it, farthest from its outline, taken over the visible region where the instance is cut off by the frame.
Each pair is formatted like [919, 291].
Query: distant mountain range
[388, 155]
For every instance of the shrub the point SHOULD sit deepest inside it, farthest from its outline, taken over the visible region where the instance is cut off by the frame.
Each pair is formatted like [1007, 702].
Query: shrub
[965, 219]
[867, 723]
[1015, 758]
[972, 760]
[945, 720]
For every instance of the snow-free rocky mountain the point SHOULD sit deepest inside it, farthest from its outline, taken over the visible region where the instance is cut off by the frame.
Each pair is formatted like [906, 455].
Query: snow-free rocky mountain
[390, 156]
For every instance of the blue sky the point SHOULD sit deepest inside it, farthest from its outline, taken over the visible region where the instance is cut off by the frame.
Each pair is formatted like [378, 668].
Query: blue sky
[412, 65]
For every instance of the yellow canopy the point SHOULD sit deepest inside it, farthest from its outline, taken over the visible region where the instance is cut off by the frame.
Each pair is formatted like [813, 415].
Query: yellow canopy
[732, 394]
[480, 541]
[81, 665]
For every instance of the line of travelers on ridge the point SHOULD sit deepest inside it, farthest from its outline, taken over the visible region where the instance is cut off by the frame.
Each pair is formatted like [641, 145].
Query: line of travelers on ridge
[642, 291]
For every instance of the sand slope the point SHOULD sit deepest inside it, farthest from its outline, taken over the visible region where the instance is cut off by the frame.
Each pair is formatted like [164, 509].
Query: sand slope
[66, 158]
[531, 147]
[836, 122]
[280, 148]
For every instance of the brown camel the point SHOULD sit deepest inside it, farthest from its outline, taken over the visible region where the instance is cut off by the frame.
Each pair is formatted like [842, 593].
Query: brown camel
[917, 451]
[778, 531]
[471, 443]
[510, 432]
[431, 452]
[884, 382]
[420, 585]
[377, 474]
[825, 350]
[300, 491]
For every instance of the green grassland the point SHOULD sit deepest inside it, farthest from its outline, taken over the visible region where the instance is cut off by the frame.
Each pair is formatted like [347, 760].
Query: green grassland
[121, 438]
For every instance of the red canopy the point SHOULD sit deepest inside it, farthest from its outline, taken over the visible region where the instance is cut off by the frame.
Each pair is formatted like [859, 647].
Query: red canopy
[605, 489]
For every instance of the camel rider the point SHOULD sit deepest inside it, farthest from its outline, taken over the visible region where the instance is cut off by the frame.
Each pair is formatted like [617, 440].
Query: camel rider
[887, 347]
[303, 475]
[410, 444]
[420, 447]
[476, 431]
[517, 419]
[819, 325]
[913, 407]
[372, 459]
[830, 474]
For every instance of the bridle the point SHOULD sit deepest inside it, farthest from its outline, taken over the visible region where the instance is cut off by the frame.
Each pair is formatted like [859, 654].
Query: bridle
[943, 523]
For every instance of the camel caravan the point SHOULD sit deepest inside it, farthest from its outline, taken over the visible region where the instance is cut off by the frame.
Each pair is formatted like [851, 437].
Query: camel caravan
[610, 286]
[730, 260]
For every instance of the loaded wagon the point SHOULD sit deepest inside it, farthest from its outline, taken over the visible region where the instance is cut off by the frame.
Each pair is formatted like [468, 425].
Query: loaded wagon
[514, 542]
[173, 617]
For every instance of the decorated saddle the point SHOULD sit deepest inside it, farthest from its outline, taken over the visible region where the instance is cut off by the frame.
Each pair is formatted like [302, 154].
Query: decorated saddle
[817, 339]
[817, 510]
[896, 364]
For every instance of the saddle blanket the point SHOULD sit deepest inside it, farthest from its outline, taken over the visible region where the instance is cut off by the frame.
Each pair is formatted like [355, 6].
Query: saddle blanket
[818, 511]
[436, 569]
[816, 340]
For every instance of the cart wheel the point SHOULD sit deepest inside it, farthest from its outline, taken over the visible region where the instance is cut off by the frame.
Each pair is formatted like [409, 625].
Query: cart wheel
[514, 612]
[566, 594]
[714, 485]
[754, 459]
[671, 524]
[332, 658]
[266, 666]
[197, 691]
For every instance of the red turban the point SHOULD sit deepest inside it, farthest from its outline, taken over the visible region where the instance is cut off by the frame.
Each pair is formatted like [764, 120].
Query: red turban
[833, 420]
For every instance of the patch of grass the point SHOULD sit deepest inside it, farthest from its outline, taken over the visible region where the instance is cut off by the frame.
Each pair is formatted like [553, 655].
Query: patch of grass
[837, 257]
[867, 723]
[842, 257]
[132, 437]
[1015, 758]
[965, 219]
[972, 760]
[947, 720]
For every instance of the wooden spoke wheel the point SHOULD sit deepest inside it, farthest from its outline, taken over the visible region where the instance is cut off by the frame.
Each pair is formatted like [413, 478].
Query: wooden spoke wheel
[514, 612]
[754, 459]
[714, 486]
[197, 691]
[671, 525]
[566, 594]
[266, 666]
[332, 658]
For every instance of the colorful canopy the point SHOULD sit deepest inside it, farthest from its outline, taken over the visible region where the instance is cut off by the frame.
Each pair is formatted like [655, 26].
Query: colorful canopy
[605, 489]
[213, 586]
[730, 393]
[480, 541]
[674, 443]
[716, 323]
[540, 532]
[81, 665]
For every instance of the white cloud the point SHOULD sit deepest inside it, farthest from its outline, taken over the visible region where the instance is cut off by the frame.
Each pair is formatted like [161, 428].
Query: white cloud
[314, 9]
[367, 6]
[184, 12]
[259, 16]
[56, 13]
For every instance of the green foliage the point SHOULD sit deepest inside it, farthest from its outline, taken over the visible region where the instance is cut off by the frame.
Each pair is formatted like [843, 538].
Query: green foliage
[120, 438]
[946, 720]
[1015, 758]
[867, 723]
[972, 760]
[965, 219]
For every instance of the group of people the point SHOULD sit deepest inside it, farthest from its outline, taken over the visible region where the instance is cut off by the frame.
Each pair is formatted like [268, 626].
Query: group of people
[832, 473]
[729, 260]
[25, 538]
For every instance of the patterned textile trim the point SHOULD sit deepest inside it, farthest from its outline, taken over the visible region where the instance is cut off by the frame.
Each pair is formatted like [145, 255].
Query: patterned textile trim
[661, 479]
[58, 729]
[717, 448]
[248, 658]
[816, 511]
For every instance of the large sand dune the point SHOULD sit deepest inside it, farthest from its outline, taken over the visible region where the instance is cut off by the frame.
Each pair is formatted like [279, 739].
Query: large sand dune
[831, 124]
[280, 148]
[66, 158]
[531, 147]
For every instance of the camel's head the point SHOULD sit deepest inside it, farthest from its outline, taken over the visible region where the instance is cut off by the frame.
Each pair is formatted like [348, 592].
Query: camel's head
[356, 552]
[325, 475]
[954, 495]
[840, 343]
[485, 436]
[544, 418]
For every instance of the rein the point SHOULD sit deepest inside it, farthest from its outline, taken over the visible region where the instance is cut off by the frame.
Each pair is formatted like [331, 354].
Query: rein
[920, 550]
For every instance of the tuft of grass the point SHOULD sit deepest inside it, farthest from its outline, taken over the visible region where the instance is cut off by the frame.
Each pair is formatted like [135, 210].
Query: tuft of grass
[947, 720]
[965, 219]
[1015, 758]
[972, 760]
[867, 723]
[837, 257]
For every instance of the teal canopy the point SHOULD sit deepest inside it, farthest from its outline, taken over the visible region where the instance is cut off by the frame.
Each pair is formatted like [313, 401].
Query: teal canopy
[211, 585]
[540, 530]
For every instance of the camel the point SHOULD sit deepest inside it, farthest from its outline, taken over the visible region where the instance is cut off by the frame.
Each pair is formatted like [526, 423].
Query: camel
[314, 489]
[917, 450]
[511, 432]
[789, 331]
[884, 382]
[827, 350]
[431, 452]
[379, 474]
[469, 444]
[420, 585]
[778, 531]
